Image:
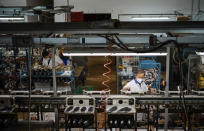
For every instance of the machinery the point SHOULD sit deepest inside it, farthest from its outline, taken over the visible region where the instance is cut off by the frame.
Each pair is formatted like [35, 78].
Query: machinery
[80, 111]
[120, 111]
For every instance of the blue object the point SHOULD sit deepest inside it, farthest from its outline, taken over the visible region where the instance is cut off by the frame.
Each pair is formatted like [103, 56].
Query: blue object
[66, 61]
[151, 64]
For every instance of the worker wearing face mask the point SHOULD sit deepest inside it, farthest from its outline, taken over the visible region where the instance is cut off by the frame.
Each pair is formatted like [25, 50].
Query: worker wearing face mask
[137, 84]
[47, 59]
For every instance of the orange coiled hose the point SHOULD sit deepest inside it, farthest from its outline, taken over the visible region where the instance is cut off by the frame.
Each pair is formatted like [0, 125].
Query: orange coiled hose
[109, 61]
[107, 87]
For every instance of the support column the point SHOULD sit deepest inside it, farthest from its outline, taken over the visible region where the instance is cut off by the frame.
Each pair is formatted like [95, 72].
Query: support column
[117, 75]
[167, 86]
[55, 89]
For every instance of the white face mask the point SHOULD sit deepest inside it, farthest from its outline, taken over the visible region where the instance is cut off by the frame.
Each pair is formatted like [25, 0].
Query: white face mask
[140, 80]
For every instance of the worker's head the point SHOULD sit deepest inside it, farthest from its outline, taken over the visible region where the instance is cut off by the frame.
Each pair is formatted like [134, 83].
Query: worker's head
[140, 74]
[46, 54]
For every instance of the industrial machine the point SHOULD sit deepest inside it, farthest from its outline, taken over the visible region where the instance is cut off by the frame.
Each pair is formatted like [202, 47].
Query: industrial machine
[120, 111]
[80, 112]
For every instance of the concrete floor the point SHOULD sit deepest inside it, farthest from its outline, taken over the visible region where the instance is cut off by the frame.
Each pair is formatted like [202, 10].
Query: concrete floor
[96, 69]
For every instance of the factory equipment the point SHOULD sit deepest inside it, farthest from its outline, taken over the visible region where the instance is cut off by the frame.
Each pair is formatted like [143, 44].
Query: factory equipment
[14, 73]
[80, 112]
[195, 73]
[42, 79]
[120, 111]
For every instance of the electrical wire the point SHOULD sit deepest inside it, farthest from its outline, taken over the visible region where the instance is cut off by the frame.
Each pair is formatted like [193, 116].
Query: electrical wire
[152, 49]
[112, 41]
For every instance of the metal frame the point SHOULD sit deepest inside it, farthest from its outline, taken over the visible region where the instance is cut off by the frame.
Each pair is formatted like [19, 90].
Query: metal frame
[143, 99]
[167, 86]
[107, 27]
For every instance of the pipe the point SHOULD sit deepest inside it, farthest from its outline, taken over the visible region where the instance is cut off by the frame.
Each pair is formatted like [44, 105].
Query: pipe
[192, 7]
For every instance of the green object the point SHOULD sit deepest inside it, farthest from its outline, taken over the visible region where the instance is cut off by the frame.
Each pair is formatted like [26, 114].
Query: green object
[89, 88]
[79, 89]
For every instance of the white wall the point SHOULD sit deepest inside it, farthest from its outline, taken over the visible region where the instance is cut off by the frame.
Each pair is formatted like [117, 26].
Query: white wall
[12, 2]
[116, 7]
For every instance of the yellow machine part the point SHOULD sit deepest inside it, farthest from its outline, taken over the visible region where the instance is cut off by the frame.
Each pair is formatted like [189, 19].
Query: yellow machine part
[201, 81]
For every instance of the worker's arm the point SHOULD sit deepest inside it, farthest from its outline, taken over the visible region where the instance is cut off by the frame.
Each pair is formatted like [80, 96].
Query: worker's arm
[44, 63]
[59, 62]
[125, 88]
[62, 64]
[149, 86]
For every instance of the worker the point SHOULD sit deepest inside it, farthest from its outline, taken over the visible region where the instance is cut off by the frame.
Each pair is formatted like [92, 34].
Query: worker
[137, 84]
[47, 59]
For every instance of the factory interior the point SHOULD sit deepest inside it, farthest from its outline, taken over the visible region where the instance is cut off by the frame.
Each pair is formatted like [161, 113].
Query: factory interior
[104, 65]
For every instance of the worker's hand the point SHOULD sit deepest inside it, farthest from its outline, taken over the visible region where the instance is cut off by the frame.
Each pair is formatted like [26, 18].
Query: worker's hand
[125, 89]
[149, 86]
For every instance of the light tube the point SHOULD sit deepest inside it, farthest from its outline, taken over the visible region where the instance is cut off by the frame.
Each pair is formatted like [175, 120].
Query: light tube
[115, 54]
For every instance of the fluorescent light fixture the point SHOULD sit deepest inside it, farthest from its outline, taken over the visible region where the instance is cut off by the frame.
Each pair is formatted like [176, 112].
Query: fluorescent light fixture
[115, 54]
[150, 18]
[199, 53]
[12, 18]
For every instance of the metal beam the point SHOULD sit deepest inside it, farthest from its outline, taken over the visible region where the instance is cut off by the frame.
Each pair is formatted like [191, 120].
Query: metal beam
[149, 99]
[106, 27]
[96, 41]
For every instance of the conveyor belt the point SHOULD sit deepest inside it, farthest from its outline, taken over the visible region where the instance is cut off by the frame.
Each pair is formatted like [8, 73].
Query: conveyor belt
[140, 99]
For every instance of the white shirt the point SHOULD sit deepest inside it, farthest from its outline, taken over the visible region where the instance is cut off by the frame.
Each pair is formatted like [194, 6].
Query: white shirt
[48, 61]
[136, 87]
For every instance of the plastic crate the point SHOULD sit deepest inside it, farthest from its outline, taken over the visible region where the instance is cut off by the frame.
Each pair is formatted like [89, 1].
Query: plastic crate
[148, 64]
[151, 64]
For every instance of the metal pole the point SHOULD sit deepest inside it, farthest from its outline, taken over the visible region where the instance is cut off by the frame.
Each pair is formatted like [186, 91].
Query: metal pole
[28, 61]
[117, 73]
[192, 9]
[55, 88]
[157, 117]
[188, 83]
[54, 72]
[167, 86]
[136, 120]
[68, 12]
[148, 125]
